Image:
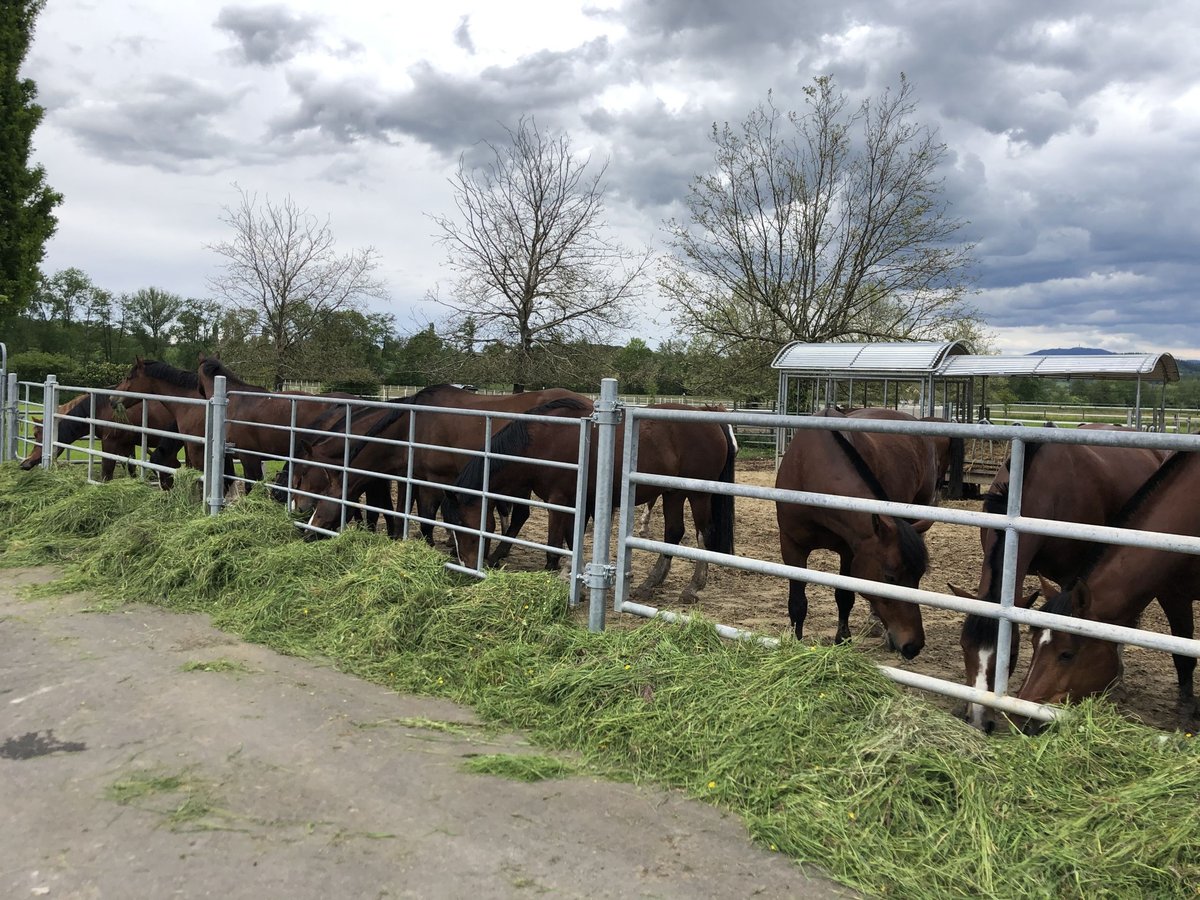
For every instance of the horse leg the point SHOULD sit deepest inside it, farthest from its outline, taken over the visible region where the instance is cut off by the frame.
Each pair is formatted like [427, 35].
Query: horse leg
[845, 603]
[252, 469]
[673, 529]
[558, 534]
[519, 515]
[642, 529]
[379, 495]
[702, 521]
[1180, 616]
[795, 555]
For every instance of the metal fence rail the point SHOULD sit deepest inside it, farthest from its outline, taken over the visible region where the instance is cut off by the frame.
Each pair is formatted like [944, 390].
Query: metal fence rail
[599, 572]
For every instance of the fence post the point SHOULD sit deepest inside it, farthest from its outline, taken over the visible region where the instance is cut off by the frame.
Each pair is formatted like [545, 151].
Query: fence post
[1008, 581]
[216, 447]
[49, 423]
[4, 394]
[600, 572]
[12, 414]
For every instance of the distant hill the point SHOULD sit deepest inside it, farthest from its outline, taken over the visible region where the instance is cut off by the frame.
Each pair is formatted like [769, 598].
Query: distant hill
[1186, 366]
[1071, 351]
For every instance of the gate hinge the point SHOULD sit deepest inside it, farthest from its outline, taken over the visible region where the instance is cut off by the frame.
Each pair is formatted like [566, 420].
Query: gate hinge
[604, 414]
[595, 577]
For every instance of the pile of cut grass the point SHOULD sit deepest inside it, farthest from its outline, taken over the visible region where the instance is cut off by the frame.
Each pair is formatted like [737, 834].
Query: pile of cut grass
[825, 760]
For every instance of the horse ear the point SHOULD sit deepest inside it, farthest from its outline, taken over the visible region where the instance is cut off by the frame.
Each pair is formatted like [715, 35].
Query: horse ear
[1081, 599]
[1031, 598]
[1048, 588]
[959, 592]
[922, 525]
[882, 526]
[201, 357]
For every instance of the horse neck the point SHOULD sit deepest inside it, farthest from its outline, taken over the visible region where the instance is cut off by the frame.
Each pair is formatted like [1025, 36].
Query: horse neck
[165, 388]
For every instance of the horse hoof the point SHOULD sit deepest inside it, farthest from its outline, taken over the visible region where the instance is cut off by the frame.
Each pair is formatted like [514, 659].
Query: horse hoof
[640, 594]
[689, 598]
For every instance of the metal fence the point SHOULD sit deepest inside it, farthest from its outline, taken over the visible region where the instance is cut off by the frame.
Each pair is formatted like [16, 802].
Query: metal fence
[599, 572]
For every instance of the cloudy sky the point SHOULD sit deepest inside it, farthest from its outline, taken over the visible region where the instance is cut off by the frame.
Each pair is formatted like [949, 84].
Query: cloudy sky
[1072, 130]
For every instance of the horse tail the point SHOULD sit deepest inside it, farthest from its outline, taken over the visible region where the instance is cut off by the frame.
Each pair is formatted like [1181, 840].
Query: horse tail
[720, 536]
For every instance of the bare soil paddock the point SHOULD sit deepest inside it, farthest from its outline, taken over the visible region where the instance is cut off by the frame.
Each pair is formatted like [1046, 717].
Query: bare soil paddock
[759, 603]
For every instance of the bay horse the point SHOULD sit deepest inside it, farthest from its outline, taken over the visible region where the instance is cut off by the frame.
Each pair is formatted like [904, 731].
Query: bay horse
[701, 450]
[1115, 586]
[1064, 483]
[443, 433]
[258, 420]
[73, 425]
[898, 467]
[329, 450]
[172, 385]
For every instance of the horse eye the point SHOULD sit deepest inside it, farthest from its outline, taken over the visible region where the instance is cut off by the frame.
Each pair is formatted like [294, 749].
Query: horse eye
[1066, 656]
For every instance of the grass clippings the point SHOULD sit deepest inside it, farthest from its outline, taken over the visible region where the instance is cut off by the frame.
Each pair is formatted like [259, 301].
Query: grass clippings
[186, 803]
[519, 766]
[824, 759]
[215, 665]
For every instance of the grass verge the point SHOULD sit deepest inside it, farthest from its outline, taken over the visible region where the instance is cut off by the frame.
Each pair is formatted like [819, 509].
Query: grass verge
[825, 760]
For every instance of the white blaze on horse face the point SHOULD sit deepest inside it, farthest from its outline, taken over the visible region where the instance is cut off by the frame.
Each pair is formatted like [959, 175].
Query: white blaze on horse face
[1043, 639]
[977, 710]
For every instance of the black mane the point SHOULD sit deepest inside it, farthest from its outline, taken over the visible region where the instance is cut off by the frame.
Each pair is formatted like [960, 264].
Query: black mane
[511, 440]
[913, 553]
[168, 373]
[1133, 505]
[212, 367]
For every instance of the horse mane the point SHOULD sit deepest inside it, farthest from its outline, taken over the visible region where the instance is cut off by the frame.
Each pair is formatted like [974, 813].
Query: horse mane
[168, 373]
[1126, 513]
[74, 427]
[212, 367]
[510, 441]
[913, 552]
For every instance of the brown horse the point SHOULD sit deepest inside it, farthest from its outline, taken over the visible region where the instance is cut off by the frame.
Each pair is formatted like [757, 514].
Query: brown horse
[1062, 482]
[73, 425]
[442, 432]
[1115, 586]
[148, 376]
[700, 450]
[258, 420]
[898, 467]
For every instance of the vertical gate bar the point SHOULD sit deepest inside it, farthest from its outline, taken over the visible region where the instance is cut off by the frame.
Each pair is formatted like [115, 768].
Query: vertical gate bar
[91, 434]
[628, 495]
[216, 446]
[408, 484]
[582, 476]
[484, 525]
[1008, 581]
[291, 460]
[607, 416]
[11, 413]
[345, 465]
[1137, 416]
[143, 472]
[5, 393]
[49, 423]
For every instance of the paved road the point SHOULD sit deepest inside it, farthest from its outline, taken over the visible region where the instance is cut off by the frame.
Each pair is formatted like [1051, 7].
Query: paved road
[293, 780]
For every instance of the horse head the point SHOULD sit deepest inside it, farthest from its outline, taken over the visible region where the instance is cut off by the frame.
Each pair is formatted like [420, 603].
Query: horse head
[1068, 666]
[895, 554]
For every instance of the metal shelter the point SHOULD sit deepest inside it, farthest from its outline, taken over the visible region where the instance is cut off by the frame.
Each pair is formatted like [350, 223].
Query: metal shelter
[1150, 368]
[814, 376]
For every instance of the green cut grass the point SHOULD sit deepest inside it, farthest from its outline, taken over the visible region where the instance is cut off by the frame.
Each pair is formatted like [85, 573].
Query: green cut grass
[824, 759]
[519, 766]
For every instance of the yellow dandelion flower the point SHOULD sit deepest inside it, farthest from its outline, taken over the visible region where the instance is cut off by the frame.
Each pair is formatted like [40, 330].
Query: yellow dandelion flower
[711, 785]
[853, 817]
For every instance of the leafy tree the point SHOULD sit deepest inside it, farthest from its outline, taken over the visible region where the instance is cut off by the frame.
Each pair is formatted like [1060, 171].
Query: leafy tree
[636, 368]
[149, 314]
[822, 226]
[27, 203]
[282, 268]
[533, 263]
[195, 331]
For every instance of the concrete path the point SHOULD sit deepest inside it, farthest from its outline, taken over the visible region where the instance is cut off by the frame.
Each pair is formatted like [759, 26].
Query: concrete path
[128, 772]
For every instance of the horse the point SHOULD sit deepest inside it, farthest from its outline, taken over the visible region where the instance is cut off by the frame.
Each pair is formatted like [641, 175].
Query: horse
[148, 376]
[898, 467]
[1115, 586]
[1062, 482]
[73, 425]
[257, 419]
[701, 450]
[441, 433]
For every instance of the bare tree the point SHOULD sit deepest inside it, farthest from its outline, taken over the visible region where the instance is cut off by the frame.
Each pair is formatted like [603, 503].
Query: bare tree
[534, 266]
[282, 267]
[819, 227]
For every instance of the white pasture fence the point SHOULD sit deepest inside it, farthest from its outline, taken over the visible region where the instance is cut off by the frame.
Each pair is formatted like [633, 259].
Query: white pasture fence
[602, 574]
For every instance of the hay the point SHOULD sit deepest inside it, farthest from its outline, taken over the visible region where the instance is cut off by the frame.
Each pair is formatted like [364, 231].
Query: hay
[825, 760]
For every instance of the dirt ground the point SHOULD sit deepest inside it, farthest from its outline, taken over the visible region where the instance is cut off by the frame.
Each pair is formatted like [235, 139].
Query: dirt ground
[144, 754]
[759, 603]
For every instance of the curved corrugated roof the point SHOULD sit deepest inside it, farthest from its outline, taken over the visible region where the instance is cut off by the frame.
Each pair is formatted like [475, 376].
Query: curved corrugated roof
[897, 359]
[1152, 366]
